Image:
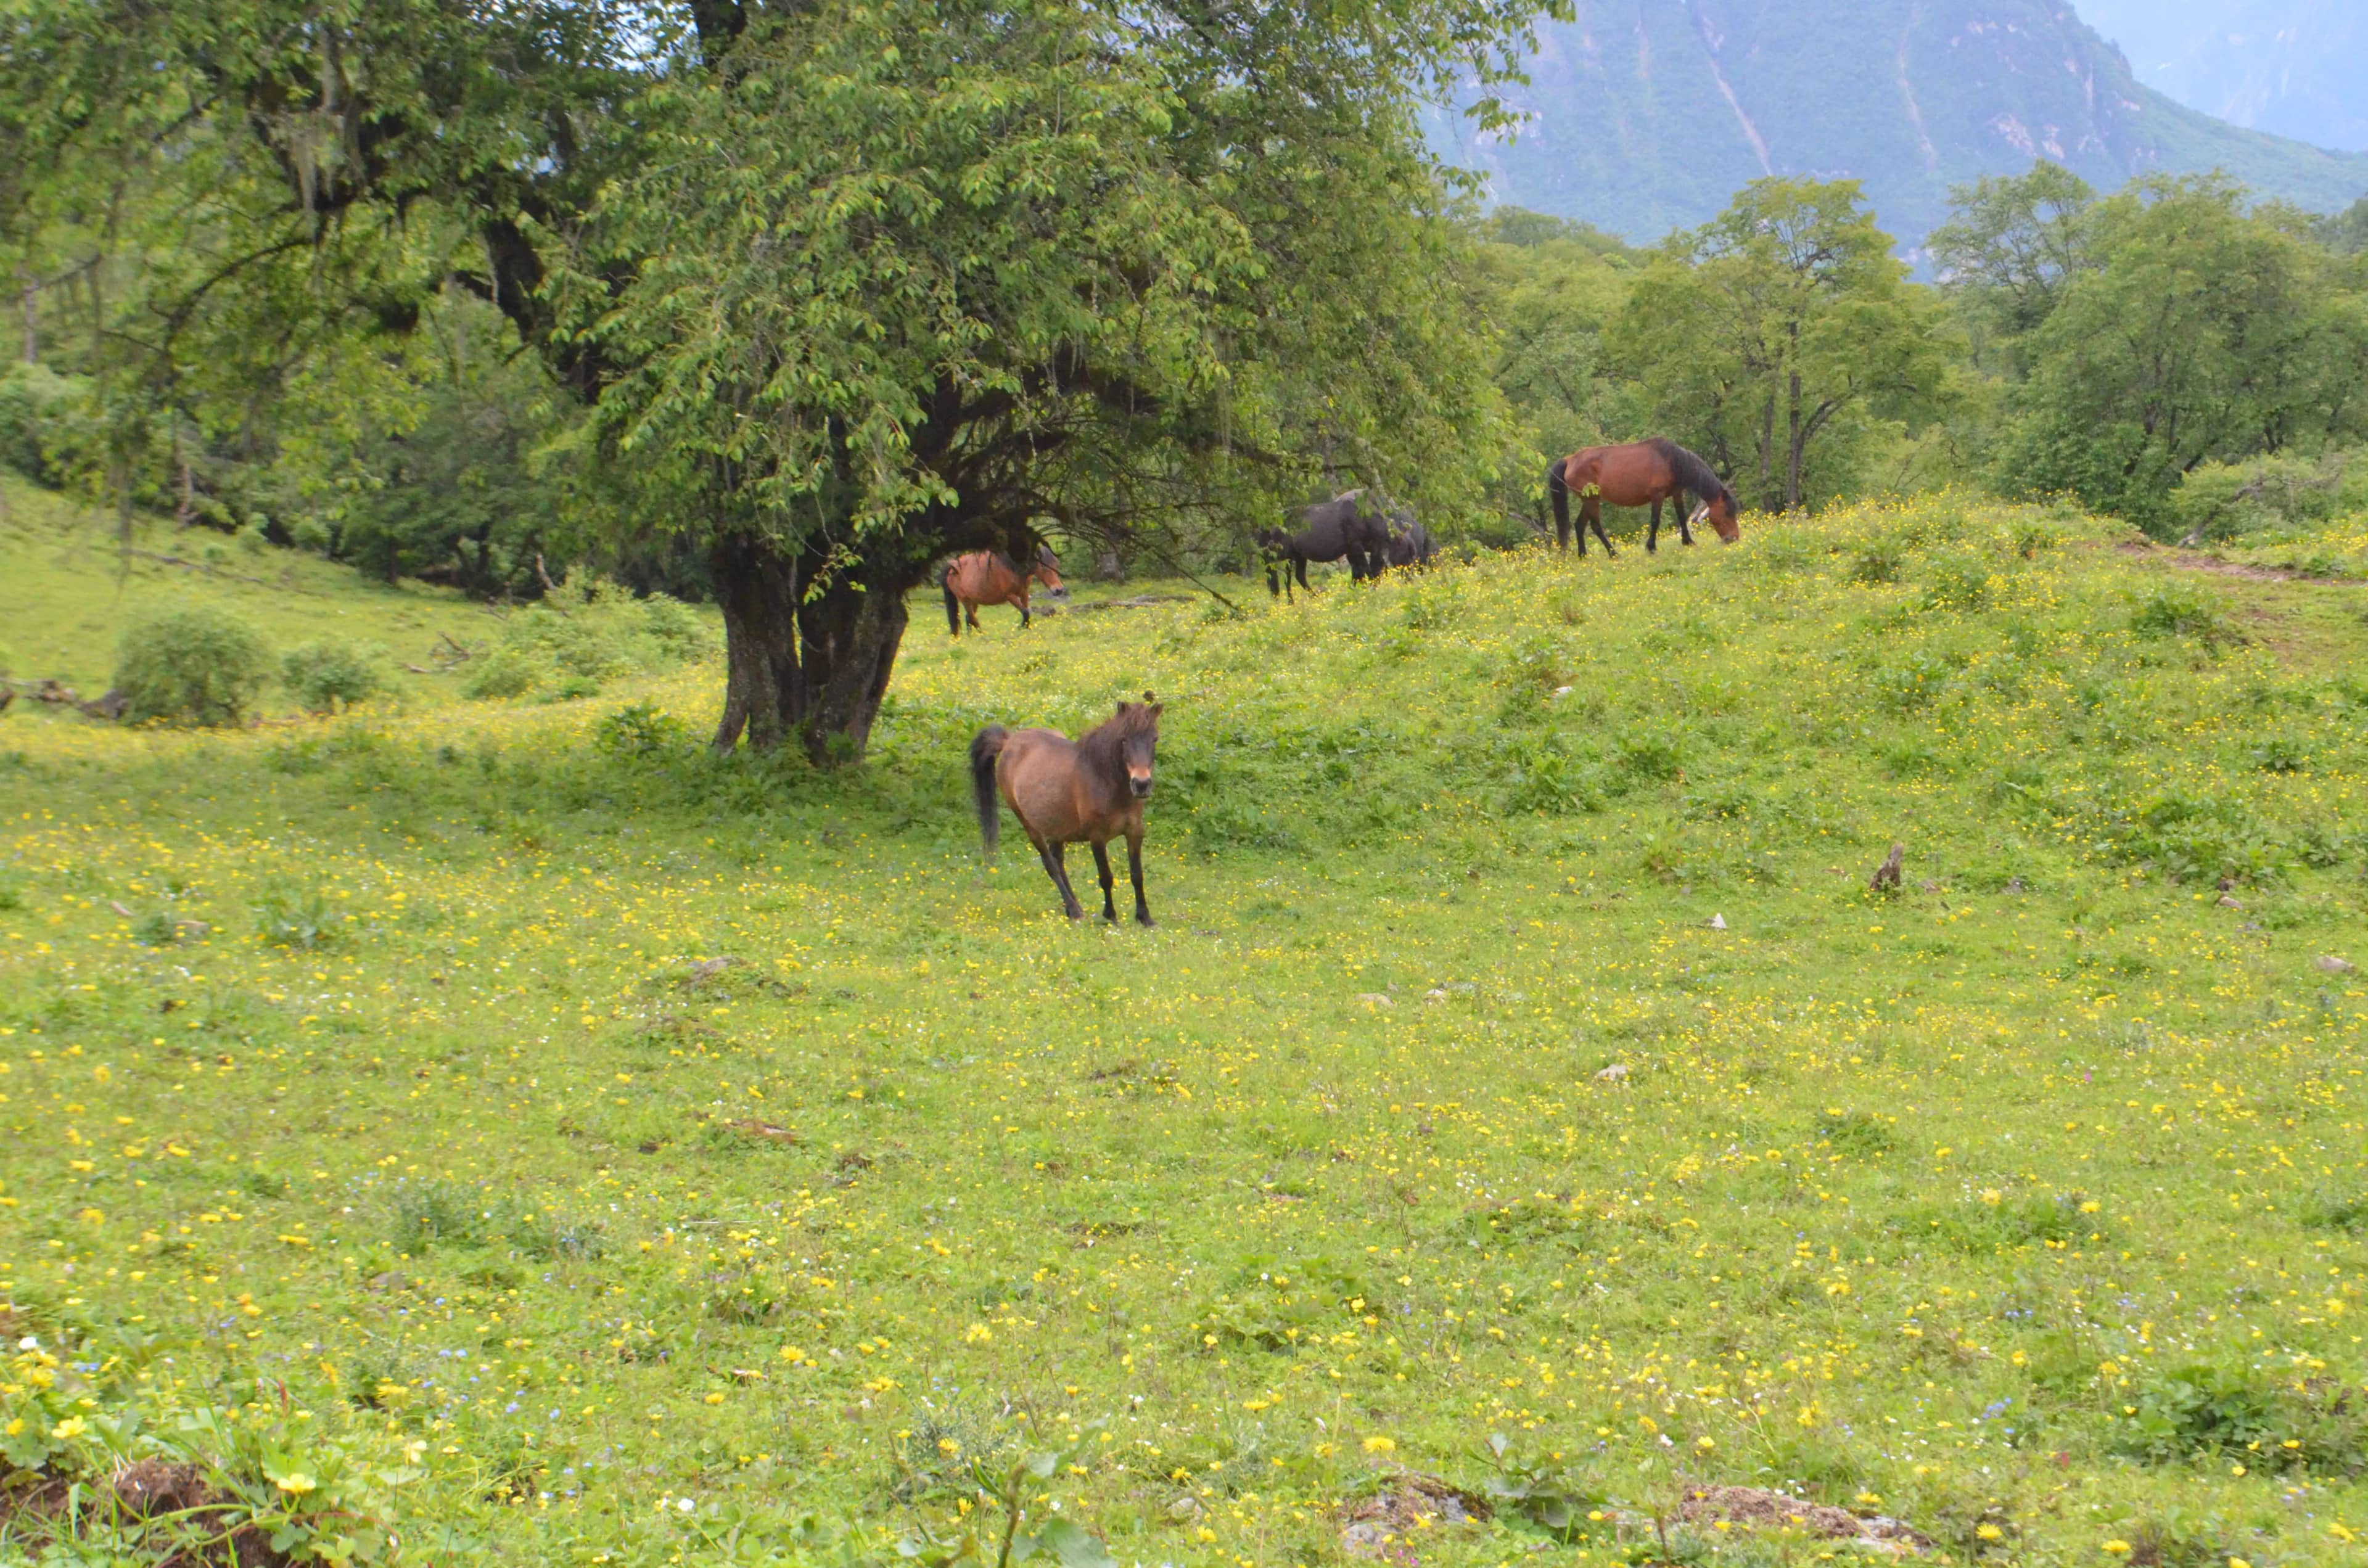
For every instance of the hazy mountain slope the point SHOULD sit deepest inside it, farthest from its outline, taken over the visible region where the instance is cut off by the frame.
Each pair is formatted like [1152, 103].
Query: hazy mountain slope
[2295, 67]
[1643, 115]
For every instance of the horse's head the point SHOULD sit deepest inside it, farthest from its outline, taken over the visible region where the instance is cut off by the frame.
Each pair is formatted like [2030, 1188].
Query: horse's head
[1138, 742]
[1273, 540]
[1046, 569]
[1719, 512]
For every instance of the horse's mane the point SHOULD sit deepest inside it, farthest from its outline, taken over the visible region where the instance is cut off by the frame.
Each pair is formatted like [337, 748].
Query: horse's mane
[1098, 748]
[1696, 476]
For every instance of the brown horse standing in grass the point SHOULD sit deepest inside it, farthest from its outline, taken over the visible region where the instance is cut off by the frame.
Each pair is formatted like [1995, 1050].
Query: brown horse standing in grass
[1062, 793]
[1642, 473]
[984, 577]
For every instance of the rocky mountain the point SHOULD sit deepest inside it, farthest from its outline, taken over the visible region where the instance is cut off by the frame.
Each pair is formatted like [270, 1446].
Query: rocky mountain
[2295, 67]
[1641, 116]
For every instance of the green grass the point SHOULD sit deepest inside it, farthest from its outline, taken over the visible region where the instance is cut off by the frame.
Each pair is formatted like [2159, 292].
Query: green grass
[71, 592]
[443, 1169]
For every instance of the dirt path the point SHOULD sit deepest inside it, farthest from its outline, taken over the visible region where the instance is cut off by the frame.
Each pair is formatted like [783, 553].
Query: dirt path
[2188, 560]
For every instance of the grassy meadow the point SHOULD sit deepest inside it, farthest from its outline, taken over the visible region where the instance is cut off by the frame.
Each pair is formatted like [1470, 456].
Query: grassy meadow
[470, 1131]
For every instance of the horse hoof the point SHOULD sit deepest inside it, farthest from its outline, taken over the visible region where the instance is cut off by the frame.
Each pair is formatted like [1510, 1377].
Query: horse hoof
[1145, 921]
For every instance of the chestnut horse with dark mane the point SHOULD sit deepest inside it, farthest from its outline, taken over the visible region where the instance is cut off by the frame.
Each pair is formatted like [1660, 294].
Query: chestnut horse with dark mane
[1642, 473]
[1064, 793]
[986, 577]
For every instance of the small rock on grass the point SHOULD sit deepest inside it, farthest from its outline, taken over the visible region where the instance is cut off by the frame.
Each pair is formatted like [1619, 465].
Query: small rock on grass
[1614, 1073]
[1374, 999]
[1718, 922]
[2329, 964]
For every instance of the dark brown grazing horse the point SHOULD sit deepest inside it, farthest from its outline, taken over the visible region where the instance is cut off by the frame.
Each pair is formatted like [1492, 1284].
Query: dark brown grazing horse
[1340, 526]
[984, 577]
[1642, 473]
[1062, 792]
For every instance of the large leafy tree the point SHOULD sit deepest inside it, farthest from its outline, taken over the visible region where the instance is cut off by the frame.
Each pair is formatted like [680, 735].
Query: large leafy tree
[852, 286]
[2194, 332]
[2013, 247]
[1781, 326]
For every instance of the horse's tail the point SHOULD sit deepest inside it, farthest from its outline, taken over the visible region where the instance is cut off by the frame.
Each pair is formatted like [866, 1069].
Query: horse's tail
[953, 605]
[983, 753]
[1559, 489]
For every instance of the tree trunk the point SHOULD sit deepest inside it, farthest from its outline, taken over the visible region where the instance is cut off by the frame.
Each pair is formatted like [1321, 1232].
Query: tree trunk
[1796, 439]
[848, 639]
[1768, 445]
[756, 585]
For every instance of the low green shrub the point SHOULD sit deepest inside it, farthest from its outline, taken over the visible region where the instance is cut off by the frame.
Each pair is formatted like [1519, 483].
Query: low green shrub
[640, 729]
[2181, 609]
[324, 675]
[571, 644]
[2221, 501]
[297, 917]
[194, 665]
[2204, 1411]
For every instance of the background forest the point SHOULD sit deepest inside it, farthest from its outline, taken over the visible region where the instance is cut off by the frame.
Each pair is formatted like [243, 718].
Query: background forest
[725, 303]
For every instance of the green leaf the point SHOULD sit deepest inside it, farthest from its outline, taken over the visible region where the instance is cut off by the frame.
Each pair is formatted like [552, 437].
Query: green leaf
[1073, 1546]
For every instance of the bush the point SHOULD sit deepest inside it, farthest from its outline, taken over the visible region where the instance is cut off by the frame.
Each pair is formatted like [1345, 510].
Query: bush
[640, 729]
[322, 674]
[197, 665]
[585, 636]
[510, 671]
[2177, 610]
[2223, 501]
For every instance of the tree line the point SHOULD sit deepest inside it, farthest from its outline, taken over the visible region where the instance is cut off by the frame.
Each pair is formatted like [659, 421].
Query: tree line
[2109, 348]
[778, 305]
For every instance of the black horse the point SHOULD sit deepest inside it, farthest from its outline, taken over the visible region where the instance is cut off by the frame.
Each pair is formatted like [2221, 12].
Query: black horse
[1410, 543]
[1333, 529]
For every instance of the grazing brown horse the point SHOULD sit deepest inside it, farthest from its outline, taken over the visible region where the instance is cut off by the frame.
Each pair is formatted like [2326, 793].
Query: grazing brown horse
[984, 577]
[1062, 793]
[1642, 473]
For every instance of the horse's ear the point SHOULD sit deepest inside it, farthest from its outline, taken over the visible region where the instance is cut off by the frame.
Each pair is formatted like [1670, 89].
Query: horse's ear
[1122, 708]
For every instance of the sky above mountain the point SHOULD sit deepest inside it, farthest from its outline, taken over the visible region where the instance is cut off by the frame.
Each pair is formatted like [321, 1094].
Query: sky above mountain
[2296, 68]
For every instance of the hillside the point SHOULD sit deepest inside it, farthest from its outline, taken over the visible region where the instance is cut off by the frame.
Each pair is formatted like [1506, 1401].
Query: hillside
[511, 1129]
[71, 592]
[2290, 67]
[1646, 115]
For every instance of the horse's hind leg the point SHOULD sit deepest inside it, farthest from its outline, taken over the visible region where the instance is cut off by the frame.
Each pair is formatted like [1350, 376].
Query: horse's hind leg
[1055, 857]
[1134, 874]
[1101, 866]
[1593, 518]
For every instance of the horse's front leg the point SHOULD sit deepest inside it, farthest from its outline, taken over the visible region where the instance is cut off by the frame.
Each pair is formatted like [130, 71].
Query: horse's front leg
[1685, 523]
[1273, 581]
[1134, 874]
[1101, 866]
[1653, 532]
[1056, 859]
